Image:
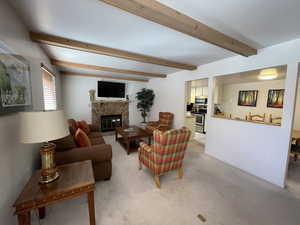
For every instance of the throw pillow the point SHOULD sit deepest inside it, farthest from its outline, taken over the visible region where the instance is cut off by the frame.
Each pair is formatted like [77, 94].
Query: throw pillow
[72, 130]
[64, 144]
[84, 126]
[82, 139]
[72, 126]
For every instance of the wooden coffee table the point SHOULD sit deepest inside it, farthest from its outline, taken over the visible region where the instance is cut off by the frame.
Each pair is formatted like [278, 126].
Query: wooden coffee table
[130, 136]
[75, 179]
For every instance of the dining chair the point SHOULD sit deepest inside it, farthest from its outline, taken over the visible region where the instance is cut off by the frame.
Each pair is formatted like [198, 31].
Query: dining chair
[295, 149]
[275, 120]
[256, 117]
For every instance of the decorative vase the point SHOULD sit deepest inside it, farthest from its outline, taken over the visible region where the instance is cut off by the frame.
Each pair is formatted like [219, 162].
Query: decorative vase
[92, 95]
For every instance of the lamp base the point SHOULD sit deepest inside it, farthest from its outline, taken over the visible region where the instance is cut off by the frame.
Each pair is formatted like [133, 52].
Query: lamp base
[49, 178]
[49, 171]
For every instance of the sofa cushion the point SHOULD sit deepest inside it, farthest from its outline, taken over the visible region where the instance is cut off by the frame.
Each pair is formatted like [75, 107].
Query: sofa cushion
[94, 128]
[97, 153]
[82, 139]
[94, 134]
[64, 144]
[97, 141]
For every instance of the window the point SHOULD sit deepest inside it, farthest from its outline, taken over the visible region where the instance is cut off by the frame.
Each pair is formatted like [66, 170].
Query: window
[49, 90]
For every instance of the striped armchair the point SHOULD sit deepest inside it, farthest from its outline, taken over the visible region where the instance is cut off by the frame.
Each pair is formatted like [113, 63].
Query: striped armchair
[164, 123]
[166, 153]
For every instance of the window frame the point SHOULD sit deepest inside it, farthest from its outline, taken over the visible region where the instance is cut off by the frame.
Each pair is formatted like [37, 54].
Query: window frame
[49, 106]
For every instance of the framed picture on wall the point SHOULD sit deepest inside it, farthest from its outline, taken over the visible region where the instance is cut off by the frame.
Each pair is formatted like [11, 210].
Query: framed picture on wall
[275, 98]
[15, 83]
[248, 98]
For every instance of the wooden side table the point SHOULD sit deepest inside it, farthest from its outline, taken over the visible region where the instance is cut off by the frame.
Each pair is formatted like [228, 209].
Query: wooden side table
[75, 179]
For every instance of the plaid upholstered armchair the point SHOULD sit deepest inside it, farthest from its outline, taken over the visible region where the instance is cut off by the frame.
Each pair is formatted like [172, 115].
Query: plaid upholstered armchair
[164, 123]
[166, 153]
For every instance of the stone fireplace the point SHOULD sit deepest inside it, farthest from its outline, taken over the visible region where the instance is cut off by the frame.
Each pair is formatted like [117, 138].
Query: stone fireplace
[105, 108]
[110, 122]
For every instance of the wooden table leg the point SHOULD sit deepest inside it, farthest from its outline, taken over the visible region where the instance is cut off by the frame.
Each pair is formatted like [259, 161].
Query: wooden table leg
[24, 218]
[42, 213]
[116, 135]
[91, 208]
[128, 146]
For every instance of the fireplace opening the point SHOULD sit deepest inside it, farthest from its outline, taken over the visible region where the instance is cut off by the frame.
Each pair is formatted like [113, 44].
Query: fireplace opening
[110, 122]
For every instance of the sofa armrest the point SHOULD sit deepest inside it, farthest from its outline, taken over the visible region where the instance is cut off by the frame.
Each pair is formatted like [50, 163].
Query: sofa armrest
[96, 153]
[94, 128]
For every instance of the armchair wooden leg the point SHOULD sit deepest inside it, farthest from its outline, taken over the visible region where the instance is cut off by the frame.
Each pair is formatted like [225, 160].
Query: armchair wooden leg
[140, 165]
[24, 219]
[180, 173]
[42, 213]
[157, 181]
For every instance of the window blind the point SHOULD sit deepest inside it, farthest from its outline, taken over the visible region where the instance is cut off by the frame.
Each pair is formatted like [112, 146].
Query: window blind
[49, 91]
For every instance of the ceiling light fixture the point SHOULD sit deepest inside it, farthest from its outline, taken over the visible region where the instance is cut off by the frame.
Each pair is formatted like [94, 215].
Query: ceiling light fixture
[268, 74]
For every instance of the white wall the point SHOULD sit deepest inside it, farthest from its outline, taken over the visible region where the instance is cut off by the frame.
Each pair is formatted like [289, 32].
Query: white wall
[261, 150]
[76, 100]
[17, 161]
[230, 93]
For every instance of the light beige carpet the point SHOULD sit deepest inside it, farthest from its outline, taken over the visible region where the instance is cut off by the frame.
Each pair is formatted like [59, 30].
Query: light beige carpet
[222, 194]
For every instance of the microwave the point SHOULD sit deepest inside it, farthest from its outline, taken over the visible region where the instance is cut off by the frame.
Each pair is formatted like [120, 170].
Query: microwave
[200, 101]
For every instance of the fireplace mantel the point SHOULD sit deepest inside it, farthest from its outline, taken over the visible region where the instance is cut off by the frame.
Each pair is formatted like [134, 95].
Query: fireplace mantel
[110, 107]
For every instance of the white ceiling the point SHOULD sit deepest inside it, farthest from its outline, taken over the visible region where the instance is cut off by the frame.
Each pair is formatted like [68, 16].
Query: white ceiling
[259, 23]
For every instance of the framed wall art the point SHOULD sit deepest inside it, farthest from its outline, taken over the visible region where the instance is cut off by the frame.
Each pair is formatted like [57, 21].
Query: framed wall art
[248, 98]
[15, 82]
[275, 98]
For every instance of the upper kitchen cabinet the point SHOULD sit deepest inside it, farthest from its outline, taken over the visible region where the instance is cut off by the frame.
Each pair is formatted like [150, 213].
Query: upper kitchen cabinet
[197, 88]
[205, 91]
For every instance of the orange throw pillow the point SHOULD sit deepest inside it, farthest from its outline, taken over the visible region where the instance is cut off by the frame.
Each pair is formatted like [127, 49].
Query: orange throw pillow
[82, 139]
[84, 126]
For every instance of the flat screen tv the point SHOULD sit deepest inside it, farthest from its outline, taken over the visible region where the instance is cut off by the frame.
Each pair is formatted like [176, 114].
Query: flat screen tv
[111, 89]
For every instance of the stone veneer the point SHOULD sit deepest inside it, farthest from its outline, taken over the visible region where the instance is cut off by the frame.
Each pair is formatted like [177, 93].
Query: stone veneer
[104, 108]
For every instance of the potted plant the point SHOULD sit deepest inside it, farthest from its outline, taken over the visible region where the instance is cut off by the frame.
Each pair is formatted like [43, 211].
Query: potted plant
[145, 99]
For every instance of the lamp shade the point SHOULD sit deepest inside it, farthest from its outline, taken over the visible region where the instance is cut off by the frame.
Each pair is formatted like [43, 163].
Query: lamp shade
[38, 127]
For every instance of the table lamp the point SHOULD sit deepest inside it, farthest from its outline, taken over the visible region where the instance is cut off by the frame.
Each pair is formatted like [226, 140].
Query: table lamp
[42, 127]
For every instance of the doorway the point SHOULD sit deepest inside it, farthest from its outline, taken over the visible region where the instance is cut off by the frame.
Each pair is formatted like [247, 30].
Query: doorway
[293, 175]
[196, 100]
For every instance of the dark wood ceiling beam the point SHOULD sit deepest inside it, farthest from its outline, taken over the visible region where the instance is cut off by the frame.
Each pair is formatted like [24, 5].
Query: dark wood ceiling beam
[102, 76]
[159, 13]
[106, 69]
[102, 50]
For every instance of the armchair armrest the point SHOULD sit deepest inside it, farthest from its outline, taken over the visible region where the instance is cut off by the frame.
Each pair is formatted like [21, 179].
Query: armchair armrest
[96, 153]
[162, 127]
[94, 128]
[153, 123]
[145, 147]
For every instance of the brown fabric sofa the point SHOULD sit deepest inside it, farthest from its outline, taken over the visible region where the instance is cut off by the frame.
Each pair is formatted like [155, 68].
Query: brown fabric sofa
[100, 153]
